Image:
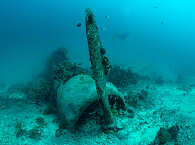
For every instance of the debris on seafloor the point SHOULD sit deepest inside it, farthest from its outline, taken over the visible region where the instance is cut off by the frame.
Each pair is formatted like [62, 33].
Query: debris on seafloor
[96, 58]
[76, 94]
[100, 66]
[166, 135]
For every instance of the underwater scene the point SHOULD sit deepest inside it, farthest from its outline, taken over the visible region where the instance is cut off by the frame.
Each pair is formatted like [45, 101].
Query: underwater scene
[97, 72]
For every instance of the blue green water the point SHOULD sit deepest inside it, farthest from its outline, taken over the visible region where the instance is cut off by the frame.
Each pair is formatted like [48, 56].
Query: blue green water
[154, 38]
[160, 33]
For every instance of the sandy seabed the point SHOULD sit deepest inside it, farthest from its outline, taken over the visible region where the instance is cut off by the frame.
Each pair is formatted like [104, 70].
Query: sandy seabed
[166, 105]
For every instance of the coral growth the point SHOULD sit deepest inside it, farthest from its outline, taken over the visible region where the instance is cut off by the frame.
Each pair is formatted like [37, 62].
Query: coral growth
[122, 77]
[38, 89]
[66, 70]
[33, 133]
[19, 129]
[166, 135]
[57, 57]
[159, 80]
[136, 99]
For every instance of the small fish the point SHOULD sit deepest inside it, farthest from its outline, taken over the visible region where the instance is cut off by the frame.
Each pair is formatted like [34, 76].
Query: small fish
[155, 7]
[122, 36]
[79, 24]
[107, 17]
[103, 29]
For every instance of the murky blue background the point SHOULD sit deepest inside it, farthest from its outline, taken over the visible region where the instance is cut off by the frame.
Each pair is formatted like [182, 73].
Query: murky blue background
[159, 34]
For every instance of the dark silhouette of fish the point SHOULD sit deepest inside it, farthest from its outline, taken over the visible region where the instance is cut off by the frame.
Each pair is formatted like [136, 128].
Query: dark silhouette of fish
[122, 36]
[79, 24]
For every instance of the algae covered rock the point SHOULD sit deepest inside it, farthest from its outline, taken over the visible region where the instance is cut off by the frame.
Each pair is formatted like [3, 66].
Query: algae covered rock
[76, 95]
[166, 135]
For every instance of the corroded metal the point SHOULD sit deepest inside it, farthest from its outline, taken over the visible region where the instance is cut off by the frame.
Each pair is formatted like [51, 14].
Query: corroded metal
[99, 63]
